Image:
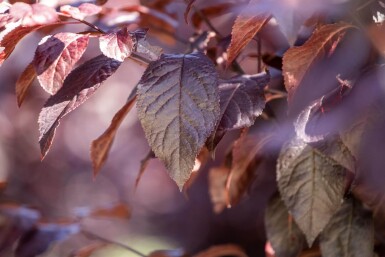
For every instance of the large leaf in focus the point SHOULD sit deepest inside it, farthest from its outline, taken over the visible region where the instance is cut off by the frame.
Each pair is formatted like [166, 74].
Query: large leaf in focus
[246, 26]
[298, 60]
[349, 233]
[312, 186]
[241, 101]
[282, 231]
[33, 14]
[178, 106]
[80, 84]
[118, 45]
[55, 58]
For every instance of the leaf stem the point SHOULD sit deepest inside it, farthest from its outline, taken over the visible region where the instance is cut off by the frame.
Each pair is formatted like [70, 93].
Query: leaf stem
[103, 239]
[84, 22]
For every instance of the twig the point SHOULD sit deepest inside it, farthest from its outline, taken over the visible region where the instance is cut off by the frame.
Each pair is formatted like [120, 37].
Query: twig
[83, 21]
[128, 248]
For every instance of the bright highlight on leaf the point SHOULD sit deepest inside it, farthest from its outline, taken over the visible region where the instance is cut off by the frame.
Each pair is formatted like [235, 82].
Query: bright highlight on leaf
[178, 107]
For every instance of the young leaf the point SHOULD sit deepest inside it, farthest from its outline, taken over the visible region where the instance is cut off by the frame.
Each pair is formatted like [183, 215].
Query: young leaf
[24, 82]
[79, 85]
[283, 233]
[178, 106]
[349, 233]
[246, 26]
[118, 45]
[312, 186]
[33, 14]
[241, 102]
[298, 60]
[101, 146]
[81, 12]
[56, 56]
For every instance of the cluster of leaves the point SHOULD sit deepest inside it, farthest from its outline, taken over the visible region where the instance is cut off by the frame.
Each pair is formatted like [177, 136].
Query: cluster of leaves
[186, 106]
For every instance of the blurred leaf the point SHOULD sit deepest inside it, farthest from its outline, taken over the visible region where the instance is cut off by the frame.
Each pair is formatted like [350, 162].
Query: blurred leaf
[79, 85]
[84, 10]
[24, 82]
[298, 60]
[88, 250]
[241, 102]
[31, 15]
[117, 211]
[350, 232]
[168, 253]
[37, 241]
[178, 106]
[245, 27]
[101, 146]
[218, 177]
[188, 9]
[222, 250]
[56, 56]
[24, 217]
[312, 186]
[143, 165]
[212, 11]
[283, 233]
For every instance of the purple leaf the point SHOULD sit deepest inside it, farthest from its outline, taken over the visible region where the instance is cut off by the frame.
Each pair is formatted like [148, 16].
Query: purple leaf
[178, 106]
[80, 84]
[56, 56]
[118, 45]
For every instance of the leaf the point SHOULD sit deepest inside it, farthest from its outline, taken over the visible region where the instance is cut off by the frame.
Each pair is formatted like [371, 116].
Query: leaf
[297, 61]
[10, 40]
[88, 250]
[144, 49]
[37, 241]
[84, 10]
[101, 146]
[33, 14]
[178, 106]
[213, 11]
[56, 56]
[312, 186]
[118, 45]
[217, 188]
[246, 152]
[222, 250]
[24, 82]
[241, 101]
[121, 211]
[245, 27]
[143, 165]
[188, 9]
[79, 85]
[168, 253]
[350, 225]
[283, 233]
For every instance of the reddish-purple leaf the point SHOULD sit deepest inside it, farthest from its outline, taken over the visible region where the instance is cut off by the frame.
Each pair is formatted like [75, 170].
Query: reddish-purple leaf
[101, 146]
[80, 84]
[118, 45]
[79, 13]
[24, 82]
[33, 14]
[188, 9]
[56, 56]
[10, 40]
[246, 26]
[297, 61]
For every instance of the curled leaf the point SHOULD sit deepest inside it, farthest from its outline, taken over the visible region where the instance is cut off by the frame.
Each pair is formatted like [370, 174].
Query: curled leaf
[79, 85]
[178, 107]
